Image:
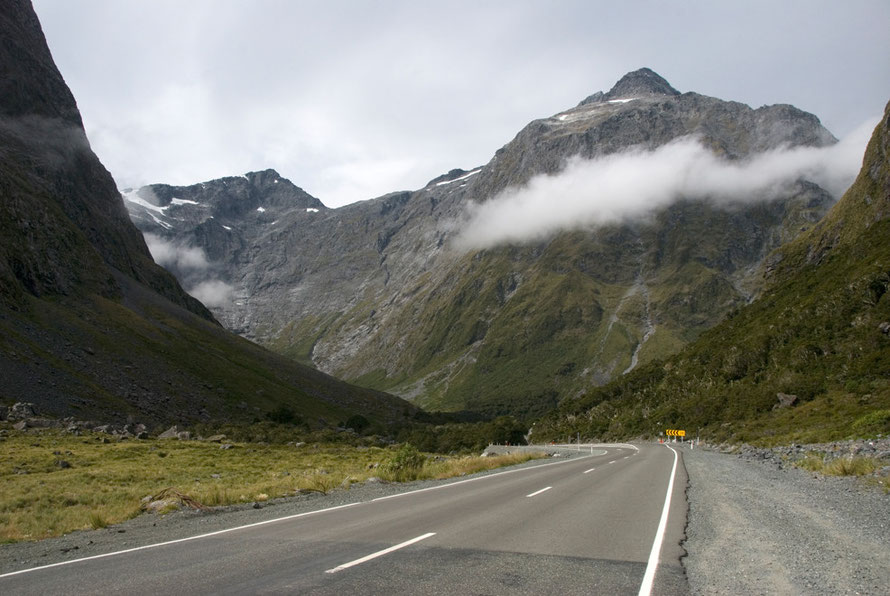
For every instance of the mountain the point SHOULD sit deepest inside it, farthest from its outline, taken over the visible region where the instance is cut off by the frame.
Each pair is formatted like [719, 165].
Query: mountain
[381, 292]
[808, 361]
[91, 326]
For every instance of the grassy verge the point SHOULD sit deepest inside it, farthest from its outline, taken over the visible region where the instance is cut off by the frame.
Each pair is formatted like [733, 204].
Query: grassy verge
[54, 483]
[846, 466]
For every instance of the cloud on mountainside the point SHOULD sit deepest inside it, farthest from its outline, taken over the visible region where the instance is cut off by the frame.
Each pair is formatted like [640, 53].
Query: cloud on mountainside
[634, 184]
[176, 256]
[191, 266]
[213, 293]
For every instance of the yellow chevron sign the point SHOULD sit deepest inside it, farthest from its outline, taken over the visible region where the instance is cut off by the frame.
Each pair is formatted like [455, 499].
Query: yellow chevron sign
[675, 433]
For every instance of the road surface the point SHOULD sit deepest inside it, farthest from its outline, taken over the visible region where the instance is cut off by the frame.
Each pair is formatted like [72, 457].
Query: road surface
[598, 524]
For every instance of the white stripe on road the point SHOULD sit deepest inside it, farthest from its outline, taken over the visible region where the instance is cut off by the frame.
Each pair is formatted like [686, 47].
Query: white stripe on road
[148, 546]
[538, 492]
[379, 553]
[513, 471]
[589, 471]
[649, 577]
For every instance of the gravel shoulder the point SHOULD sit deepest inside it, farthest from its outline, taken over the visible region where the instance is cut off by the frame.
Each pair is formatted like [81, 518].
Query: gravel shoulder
[755, 527]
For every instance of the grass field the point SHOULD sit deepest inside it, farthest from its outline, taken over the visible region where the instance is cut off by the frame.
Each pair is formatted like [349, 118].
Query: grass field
[54, 483]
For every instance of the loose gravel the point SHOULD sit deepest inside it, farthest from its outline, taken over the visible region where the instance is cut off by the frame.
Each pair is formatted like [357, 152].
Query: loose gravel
[758, 526]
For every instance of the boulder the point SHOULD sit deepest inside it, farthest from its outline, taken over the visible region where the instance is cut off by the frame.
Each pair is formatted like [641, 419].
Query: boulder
[21, 410]
[786, 400]
[170, 433]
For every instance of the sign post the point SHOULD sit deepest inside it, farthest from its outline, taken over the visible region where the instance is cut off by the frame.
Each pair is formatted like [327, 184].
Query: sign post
[672, 432]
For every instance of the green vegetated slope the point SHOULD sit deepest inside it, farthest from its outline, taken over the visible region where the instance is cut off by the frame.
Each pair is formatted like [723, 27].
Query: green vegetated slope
[820, 332]
[518, 329]
[90, 326]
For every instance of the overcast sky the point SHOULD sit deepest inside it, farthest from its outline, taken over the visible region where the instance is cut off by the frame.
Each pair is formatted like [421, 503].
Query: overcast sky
[351, 100]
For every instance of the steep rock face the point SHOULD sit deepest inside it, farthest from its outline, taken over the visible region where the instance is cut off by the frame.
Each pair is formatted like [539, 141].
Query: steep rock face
[89, 325]
[49, 166]
[376, 292]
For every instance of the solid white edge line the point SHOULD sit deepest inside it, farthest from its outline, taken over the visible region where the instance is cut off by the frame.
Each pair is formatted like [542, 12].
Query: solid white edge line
[379, 553]
[178, 540]
[538, 492]
[649, 577]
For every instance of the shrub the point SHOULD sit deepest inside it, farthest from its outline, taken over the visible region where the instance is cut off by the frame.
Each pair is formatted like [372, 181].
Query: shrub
[850, 466]
[404, 465]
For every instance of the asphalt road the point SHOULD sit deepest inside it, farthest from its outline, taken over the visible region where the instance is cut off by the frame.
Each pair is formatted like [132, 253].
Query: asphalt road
[584, 525]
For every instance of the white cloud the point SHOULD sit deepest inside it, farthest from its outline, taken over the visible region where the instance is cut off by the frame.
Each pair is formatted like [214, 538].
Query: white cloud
[176, 256]
[634, 184]
[213, 293]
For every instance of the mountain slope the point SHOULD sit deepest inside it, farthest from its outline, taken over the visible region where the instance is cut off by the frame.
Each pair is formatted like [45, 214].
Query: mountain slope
[91, 326]
[377, 292]
[818, 338]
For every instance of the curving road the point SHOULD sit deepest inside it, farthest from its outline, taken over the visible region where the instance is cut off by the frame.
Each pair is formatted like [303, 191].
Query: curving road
[585, 525]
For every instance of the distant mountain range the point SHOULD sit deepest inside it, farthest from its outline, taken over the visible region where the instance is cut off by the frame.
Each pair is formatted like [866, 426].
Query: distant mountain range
[90, 326]
[390, 294]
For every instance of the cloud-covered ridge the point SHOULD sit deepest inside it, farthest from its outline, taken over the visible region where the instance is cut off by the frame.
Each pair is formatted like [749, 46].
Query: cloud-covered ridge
[633, 184]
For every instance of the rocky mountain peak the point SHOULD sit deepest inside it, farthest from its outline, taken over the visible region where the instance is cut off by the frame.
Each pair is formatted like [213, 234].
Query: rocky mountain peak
[639, 83]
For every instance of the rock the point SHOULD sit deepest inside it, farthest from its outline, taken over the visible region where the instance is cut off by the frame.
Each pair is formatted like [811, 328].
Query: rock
[884, 327]
[170, 433]
[64, 465]
[162, 505]
[786, 400]
[225, 446]
[20, 425]
[256, 505]
[184, 435]
[215, 438]
[21, 410]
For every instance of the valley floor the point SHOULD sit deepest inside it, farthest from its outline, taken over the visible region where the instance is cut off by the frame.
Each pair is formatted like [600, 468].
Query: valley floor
[757, 527]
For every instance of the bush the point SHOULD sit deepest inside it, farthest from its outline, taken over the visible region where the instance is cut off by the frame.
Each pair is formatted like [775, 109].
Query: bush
[404, 465]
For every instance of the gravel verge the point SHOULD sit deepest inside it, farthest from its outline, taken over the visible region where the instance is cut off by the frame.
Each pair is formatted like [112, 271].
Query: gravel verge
[757, 526]
[150, 529]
